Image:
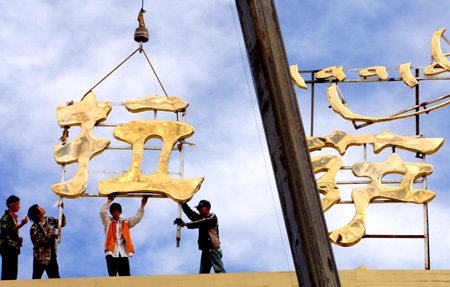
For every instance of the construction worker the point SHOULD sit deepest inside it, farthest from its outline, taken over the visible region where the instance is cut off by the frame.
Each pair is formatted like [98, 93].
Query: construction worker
[44, 236]
[208, 235]
[118, 245]
[10, 242]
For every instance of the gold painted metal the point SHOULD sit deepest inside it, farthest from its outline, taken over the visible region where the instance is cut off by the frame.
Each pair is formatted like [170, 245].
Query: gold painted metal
[442, 64]
[314, 143]
[330, 164]
[354, 231]
[136, 133]
[161, 103]
[296, 78]
[378, 71]
[407, 77]
[336, 72]
[86, 114]
[341, 141]
[345, 112]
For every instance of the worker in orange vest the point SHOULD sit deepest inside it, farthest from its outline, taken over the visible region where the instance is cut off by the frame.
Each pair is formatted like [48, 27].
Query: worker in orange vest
[118, 245]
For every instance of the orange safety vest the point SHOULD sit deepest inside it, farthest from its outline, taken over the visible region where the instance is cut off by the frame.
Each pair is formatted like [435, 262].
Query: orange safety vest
[111, 237]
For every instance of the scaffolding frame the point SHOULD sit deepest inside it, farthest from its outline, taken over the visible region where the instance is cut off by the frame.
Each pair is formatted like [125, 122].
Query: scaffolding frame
[425, 235]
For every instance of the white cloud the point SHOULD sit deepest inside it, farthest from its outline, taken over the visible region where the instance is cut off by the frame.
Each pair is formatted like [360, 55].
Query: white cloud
[53, 52]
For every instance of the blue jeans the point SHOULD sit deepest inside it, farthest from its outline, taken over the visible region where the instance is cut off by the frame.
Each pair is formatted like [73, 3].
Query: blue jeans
[212, 258]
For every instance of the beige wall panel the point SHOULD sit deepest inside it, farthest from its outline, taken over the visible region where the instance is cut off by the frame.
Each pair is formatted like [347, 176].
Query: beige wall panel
[349, 278]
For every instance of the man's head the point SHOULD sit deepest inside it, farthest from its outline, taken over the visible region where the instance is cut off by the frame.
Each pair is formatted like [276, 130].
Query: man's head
[203, 207]
[13, 203]
[115, 209]
[35, 212]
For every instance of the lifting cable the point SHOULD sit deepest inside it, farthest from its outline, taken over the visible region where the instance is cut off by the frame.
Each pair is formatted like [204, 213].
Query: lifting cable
[65, 134]
[140, 39]
[115, 69]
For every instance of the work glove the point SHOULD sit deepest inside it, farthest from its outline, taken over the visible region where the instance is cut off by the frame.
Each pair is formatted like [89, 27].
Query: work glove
[179, 222]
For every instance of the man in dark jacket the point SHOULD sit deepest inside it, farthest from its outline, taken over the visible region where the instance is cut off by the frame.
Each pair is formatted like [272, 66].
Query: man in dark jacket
[208, 235]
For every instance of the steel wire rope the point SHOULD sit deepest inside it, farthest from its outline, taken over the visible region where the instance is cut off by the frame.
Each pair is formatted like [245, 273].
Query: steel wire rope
[110, 73]
[148, 60]
[260, 144]
[156, 75]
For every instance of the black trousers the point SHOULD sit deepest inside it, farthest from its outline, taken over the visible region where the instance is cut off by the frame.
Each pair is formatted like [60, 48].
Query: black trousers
[119, 265]
[10, 261]
[52, 268]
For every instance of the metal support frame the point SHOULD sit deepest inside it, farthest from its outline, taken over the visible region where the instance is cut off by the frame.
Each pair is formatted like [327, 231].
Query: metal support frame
[180, 173]
[425, 236]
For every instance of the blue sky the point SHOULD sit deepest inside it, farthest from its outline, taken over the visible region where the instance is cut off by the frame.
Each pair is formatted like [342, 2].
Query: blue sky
[52, 52]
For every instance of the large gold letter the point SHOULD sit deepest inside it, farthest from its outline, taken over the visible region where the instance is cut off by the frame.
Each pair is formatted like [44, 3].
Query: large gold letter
[136, 133]
[441, 59]
[378, 71]
[341, 141]
[353, 232]
[330, 164]
[296, 78]
[86, 113]
[329, 72]
[407, 77]
[345, 112]
[161, 103]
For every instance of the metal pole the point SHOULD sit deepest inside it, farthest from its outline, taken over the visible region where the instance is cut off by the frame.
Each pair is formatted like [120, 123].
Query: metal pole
[426, 226]
[365, 152]
[181, 176]
[286, 139]
[417, 109]
[312, 103]
[63, 168]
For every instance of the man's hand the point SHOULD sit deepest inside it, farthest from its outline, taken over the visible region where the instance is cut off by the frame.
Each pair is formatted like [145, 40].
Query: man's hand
[179, 222]
[24, 221]
[111, 198]
[144, 201]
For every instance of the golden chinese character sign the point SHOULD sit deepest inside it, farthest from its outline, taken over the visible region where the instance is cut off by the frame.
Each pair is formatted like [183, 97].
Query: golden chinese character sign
[339, 140]
[85, 114]
[89, 112]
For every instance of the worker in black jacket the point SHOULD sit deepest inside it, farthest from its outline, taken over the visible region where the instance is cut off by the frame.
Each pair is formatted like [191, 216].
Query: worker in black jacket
[208, 235]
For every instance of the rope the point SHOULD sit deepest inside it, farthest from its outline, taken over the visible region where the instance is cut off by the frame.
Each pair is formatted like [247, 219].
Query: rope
[260, 142]
[110, 73]
[160, 83]
[155, 73]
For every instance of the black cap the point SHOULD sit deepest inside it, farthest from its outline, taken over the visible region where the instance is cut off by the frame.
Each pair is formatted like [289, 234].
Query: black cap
[203, 203]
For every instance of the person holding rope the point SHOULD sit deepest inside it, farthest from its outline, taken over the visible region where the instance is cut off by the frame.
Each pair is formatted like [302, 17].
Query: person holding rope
[118, 245]
[44, 236]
